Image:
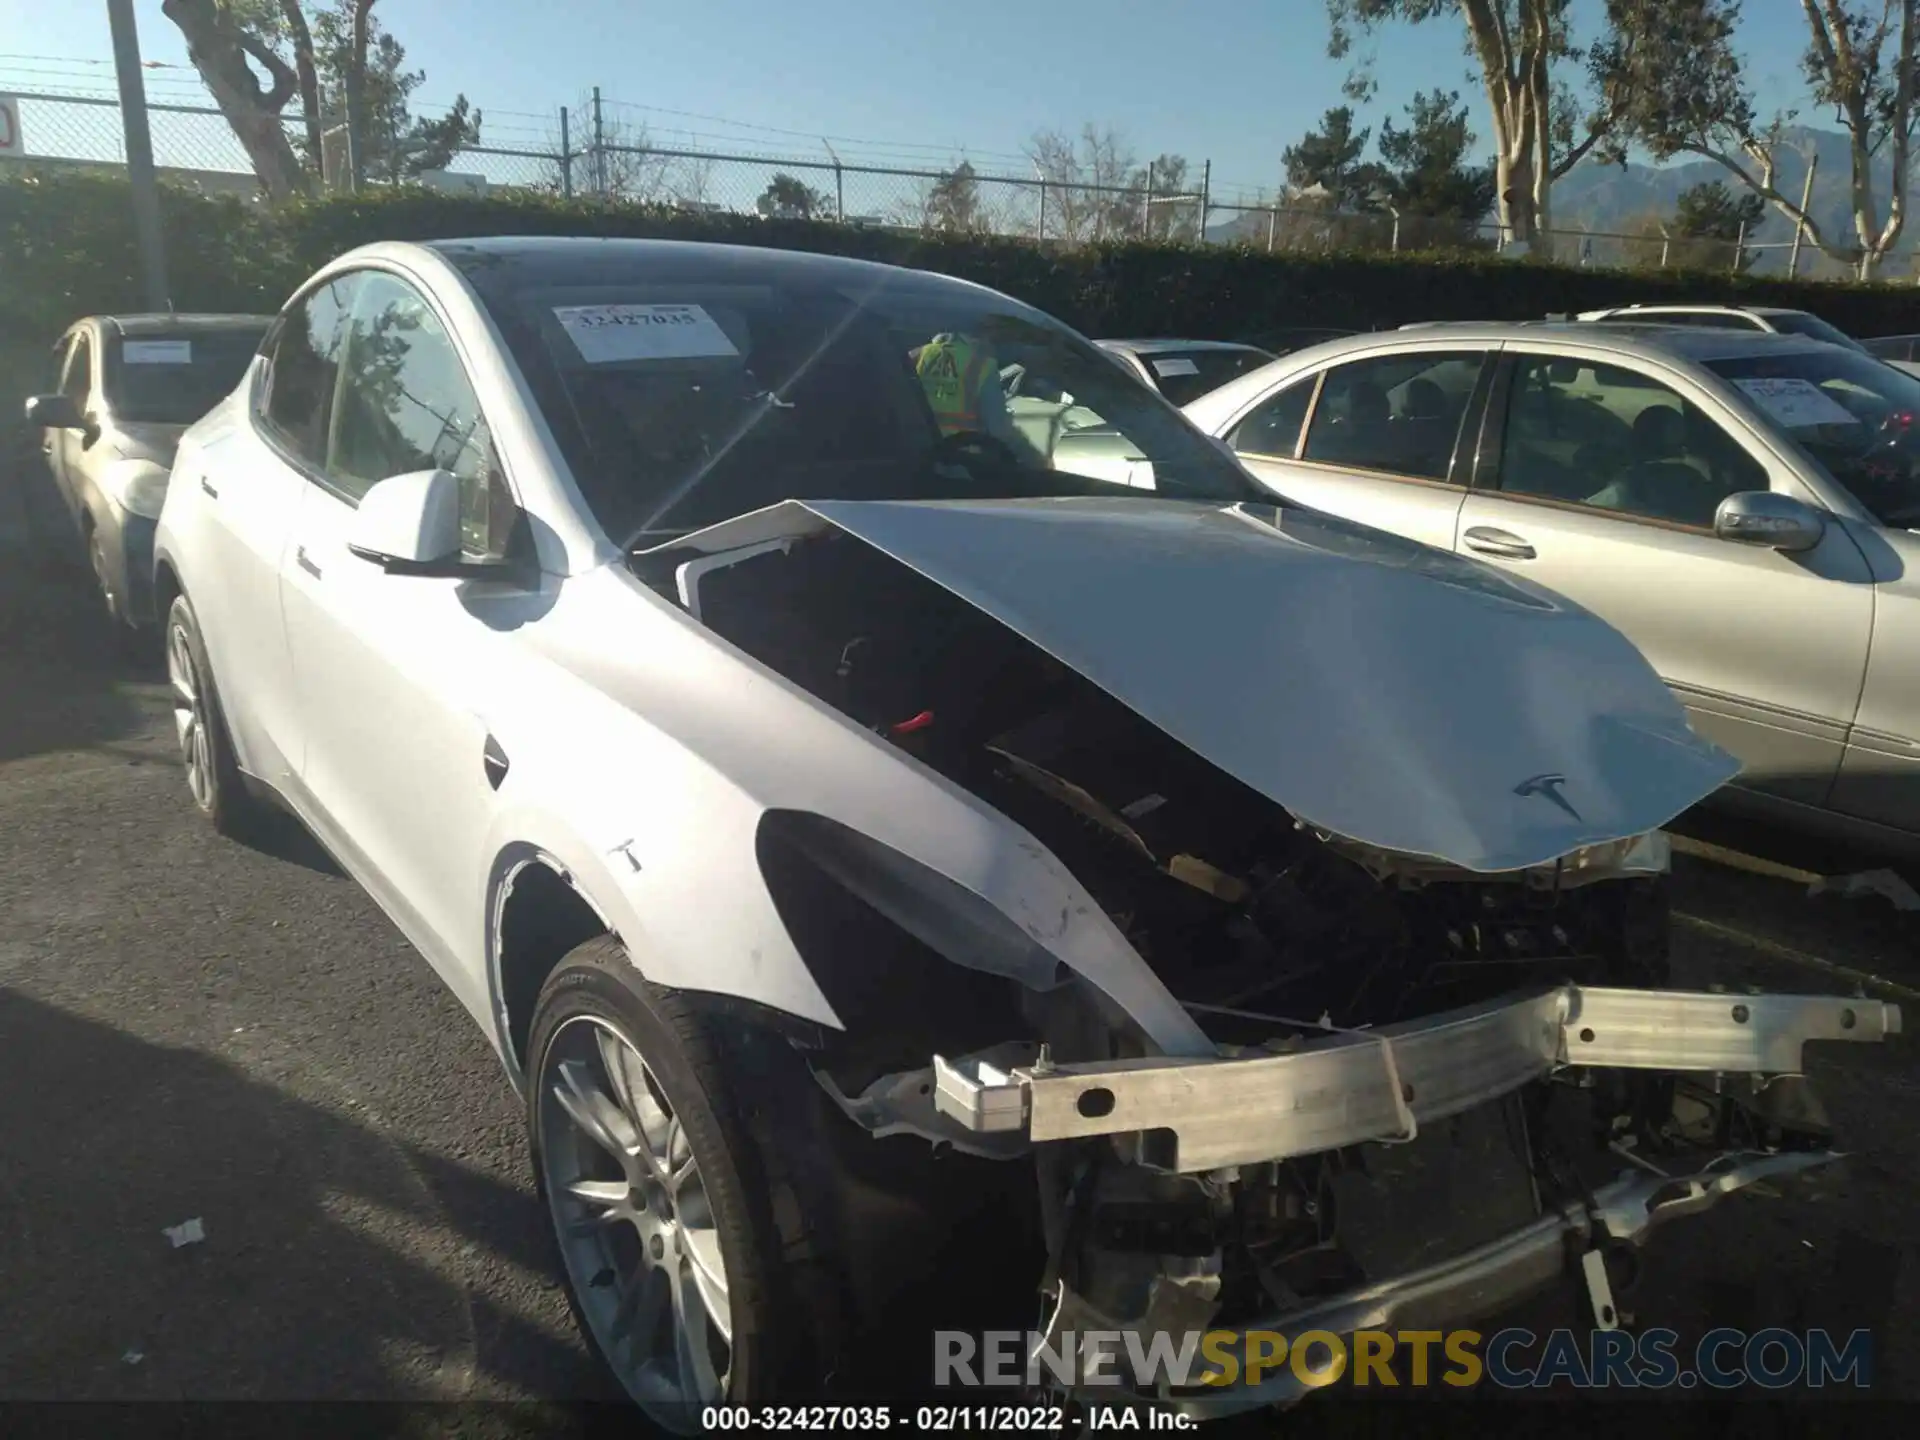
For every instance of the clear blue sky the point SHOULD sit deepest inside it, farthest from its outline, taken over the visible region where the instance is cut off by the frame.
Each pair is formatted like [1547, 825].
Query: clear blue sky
[1231, 80]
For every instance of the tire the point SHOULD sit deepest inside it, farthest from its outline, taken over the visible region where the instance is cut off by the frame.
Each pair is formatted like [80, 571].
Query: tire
[594, 1011]
[206, 749]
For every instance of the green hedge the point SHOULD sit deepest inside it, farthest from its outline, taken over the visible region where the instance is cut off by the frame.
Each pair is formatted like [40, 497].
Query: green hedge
[66, 249]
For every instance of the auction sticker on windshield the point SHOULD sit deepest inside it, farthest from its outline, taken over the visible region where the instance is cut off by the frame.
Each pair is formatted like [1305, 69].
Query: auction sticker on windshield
[1797, 403]
[605, 334]
[157, 352]
[1175, 366]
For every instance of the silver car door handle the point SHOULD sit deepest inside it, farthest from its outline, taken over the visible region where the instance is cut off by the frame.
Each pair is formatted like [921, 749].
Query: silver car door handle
[1504, 543]
[206, 485]
[306, 563]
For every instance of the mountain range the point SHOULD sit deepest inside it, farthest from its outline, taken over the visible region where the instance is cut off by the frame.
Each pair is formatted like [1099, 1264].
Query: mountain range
[1614, 198]
[1619, 199]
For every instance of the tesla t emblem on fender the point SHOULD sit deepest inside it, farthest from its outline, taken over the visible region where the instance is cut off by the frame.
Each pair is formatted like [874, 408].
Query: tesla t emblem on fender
[1549, 786]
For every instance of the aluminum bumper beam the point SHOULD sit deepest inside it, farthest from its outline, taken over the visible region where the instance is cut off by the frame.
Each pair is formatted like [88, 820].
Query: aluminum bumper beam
[1337, 1089]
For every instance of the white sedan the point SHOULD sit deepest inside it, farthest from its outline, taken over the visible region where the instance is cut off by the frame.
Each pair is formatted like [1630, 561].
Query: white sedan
[900, 872]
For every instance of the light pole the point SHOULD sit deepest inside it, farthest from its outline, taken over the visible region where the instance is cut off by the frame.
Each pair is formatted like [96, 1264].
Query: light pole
[139, 139]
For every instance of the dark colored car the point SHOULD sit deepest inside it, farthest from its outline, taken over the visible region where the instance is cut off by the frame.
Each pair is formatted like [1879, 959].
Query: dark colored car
[1184, 370]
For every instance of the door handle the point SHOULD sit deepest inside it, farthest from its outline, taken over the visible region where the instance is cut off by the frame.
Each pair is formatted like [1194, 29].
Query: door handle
[206, 487]
[1504, 543]
[306, 562]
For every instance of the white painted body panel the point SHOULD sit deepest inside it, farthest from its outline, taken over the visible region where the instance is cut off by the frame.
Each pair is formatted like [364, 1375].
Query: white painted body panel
[1390, 692]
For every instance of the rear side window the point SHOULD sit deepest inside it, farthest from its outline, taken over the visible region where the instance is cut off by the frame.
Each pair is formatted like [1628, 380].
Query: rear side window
[1395, 413]
[305, 359]
[1274, 426]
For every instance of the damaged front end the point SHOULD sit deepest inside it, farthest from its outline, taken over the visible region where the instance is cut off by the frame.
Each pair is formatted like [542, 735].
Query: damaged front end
[1412, 1177]
[1376, 834]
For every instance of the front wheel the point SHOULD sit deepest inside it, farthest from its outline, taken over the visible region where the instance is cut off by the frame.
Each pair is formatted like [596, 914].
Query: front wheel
[659, 1196]
[206, 750]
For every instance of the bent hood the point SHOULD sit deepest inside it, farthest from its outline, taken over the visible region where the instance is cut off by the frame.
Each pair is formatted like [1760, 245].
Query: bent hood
[1373, 687]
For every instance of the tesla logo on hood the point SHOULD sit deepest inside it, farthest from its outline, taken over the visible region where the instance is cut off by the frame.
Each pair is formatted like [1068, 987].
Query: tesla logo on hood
[1549, 786]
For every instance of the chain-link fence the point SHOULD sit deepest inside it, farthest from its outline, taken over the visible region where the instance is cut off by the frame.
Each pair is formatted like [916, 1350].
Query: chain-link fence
[578, 152]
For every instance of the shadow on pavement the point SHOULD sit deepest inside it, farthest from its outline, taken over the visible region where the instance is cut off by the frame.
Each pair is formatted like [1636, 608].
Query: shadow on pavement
[63, 669]
[279, 835]
[325, 1272]
[75, 681]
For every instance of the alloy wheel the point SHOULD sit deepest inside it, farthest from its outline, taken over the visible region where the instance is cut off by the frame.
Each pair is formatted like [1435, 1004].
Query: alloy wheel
[190, 715]
[635, 1223]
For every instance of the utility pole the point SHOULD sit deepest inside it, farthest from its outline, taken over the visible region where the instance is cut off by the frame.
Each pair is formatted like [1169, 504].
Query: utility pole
[139, 139]
[599, 146]
[566, 156]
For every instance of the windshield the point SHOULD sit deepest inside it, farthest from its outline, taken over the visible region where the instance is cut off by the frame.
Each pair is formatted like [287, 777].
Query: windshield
[1185, 375]
[1855, 416]
[681, 404]
[175, 378]
[1814, 328]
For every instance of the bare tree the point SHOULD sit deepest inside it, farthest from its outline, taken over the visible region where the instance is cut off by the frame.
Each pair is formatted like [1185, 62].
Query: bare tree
[690, 180]
[1056, 161]
[1088, 195]
[629, 168]
[1117, 206]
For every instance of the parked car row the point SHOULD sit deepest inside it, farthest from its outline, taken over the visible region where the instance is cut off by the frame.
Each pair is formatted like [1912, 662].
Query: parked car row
[896, 794]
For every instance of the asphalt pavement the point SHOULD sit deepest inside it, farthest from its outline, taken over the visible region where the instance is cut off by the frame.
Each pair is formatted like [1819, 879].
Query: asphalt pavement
[193, 1030]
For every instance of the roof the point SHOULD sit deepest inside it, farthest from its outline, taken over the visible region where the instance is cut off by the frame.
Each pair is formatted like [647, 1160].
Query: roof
[534, 261]
[1682, 341]
[168, 324]
[1161, 347]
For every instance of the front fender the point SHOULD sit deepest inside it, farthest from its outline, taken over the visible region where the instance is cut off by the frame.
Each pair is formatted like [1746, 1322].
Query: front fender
[646, 753]
[691, 915]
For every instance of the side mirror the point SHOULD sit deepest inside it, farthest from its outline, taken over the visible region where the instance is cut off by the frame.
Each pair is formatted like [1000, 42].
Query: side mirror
[54, 412]
[1764, 517]
[409, 524]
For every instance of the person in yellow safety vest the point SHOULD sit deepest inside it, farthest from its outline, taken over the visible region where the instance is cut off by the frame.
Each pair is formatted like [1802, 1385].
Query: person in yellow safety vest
[954, 372]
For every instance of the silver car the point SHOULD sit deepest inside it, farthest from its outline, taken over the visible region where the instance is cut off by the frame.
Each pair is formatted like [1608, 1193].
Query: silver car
[125, 389]
[1741, 505]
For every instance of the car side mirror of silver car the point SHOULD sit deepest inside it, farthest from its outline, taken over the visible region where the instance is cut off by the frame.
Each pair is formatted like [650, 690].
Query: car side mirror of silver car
[1766, 517]
[54, 412]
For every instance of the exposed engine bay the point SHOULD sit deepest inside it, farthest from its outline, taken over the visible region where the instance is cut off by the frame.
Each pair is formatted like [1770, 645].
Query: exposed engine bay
[1281, 941]
[1234, 904]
